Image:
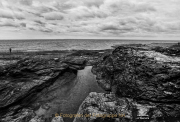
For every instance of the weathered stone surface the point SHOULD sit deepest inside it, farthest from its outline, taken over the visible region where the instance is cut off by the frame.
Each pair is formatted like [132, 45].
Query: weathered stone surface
[89, 56]
[22, 77]
[21, 84]
[41, 119]
[23, 115]
[172, 50]
[76, 63]
[100, 107]
[57, 119]
[145, 81]
[143, 74]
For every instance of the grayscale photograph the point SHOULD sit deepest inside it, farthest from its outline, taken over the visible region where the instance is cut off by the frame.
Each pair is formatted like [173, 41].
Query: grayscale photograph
[89, 60]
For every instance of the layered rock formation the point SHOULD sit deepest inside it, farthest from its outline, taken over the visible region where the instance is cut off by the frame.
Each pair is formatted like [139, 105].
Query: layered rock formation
[144, 82]
[100, 107]
[146, 76]
[21, 85]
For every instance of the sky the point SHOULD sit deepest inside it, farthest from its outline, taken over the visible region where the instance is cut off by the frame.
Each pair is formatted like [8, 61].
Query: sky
[118, 19]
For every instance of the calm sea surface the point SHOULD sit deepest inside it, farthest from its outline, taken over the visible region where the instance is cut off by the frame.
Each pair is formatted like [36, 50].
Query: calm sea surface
[67, 44]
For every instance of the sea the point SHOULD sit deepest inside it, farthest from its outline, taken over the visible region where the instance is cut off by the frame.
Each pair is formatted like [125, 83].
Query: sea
[69, 44]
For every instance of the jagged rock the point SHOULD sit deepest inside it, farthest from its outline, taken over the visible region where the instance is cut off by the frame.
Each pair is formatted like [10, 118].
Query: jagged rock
[100, 107]
[21, 83]
[23, 115]
[57, 119]
[76, 63]
[143, 74]
[41, 119]
[16, 83]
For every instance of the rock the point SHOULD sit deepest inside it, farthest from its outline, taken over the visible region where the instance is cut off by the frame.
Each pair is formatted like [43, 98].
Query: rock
[57, 119]
[110, 108]
[44, 71]
[56, 59]
[142, 74]
[21, 85]
[172, 50]
[75, 63]
[107, 107]
[41, 119]
[23, 115]
[90, 57]
[21, 82]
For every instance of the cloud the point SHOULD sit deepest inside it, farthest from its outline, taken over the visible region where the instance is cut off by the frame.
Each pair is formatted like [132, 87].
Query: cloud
[26, 2]
[9, 23]
[5, 14]
[39, 22]
[11, 14]
[23, 24]
[95, 3]
[88, 3]
[109, 26]
[105, 17]
[53, 16]
[82, 12]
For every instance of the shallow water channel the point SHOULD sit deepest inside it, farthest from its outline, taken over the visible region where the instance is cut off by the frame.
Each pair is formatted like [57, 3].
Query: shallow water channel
[67, 97]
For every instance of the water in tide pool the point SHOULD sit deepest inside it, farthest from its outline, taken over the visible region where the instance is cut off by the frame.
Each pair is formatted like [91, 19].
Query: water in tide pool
[70, 95]
[67, 44]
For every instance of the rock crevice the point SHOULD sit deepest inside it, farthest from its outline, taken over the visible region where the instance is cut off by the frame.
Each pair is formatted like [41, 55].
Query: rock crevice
[21, 84]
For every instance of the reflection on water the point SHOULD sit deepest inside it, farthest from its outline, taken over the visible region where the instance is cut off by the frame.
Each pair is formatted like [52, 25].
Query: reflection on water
[66, 98]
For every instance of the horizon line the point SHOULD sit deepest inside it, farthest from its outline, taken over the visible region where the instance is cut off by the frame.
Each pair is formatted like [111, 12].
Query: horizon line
[97, 39]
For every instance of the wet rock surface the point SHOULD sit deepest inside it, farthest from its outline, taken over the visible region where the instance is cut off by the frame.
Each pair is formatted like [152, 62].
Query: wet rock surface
[145, 75]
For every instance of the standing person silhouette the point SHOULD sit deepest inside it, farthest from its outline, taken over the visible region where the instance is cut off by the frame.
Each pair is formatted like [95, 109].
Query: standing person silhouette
[10, 50]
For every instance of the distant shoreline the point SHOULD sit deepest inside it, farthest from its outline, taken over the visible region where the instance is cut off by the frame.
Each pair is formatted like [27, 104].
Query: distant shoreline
[7, 58]
[66, 50]
[94, 39]
[70, 44]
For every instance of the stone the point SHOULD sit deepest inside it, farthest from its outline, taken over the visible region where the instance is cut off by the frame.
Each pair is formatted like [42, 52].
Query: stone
[96, 108]
[21, 84]
[144, 75]
[56, 59]
[57, 119]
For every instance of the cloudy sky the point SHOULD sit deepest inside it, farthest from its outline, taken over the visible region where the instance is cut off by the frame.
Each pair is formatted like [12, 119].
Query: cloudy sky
[89, 19]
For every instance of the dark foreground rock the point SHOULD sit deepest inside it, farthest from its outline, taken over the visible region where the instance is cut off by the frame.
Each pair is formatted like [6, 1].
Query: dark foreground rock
[31, 82]
[22, 83]
[144, 81]
[100, 107]
[145, 75]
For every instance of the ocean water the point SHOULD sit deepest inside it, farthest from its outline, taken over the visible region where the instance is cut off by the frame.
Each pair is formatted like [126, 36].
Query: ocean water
[68, 44]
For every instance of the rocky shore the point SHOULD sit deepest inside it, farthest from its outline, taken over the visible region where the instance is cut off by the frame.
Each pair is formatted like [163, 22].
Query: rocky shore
[28, 83]
[145, 81]
[21, 84]
[142, 84]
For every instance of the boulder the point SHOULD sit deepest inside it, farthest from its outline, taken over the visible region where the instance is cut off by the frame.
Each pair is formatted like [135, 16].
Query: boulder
[142, 74]
[101, 107]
